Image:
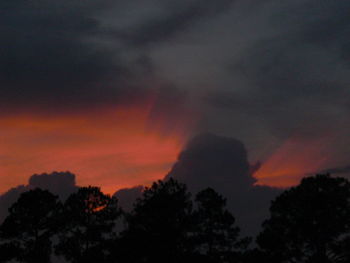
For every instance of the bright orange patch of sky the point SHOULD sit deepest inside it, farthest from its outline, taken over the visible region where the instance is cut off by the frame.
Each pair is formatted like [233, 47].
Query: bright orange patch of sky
[112, 149]
[295, 158]
[126, 146]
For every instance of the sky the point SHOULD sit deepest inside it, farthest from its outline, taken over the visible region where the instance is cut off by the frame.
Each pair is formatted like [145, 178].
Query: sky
[113, 90]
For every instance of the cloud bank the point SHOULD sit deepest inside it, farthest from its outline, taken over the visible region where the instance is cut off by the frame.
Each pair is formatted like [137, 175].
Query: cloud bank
[260, 71]
[219, 162]
[58, 183]
[222, 163]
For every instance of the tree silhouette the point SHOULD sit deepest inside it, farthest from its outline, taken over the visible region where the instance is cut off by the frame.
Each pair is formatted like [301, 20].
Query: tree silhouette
[309, 222]
[27, 230]
[216, 237]
[89, 217]
[9, 251]
[159, 224]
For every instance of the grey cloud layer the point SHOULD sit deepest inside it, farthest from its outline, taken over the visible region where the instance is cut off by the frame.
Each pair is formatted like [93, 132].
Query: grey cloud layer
[167, 25]
[269, 69]
[271, 66]
[55, 54]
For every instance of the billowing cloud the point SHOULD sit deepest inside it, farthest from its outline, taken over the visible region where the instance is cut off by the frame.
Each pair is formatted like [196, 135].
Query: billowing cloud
[222, 163]
[211, 160]
[270, 70]
[260, 71]
[59, 183]
[219, 162]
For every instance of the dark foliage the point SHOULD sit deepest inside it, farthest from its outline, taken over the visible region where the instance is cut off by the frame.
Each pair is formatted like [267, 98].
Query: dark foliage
[309, 223]
[9, 251]
[159, 225]
[26, 233]
[88, 219]
[216, 238]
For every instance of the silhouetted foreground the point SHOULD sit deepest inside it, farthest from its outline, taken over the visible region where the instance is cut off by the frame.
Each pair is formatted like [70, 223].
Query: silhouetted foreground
[308, 223]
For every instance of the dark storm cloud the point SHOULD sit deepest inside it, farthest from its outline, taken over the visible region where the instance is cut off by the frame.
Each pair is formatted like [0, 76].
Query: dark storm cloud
[50, 57]
[59, 183]
[43, 59]
[181, 16]
[264, 60]
[222, 163]
[297, 70]
[60, 55]
[211, 160]
[257, 70]
[219, 162]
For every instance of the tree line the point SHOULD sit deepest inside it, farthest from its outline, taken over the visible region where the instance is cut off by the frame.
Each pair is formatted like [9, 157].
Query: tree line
[308, 223]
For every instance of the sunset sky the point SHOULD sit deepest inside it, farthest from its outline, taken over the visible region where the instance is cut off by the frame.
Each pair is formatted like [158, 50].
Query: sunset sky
[113, 90]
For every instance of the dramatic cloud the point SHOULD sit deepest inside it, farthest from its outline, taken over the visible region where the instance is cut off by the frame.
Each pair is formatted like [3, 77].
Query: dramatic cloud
[274, 74]
[176, 18]
[65, 56]
[269, 70]
[59, 183]
[210, 160]
[221, 163]
[300, 71]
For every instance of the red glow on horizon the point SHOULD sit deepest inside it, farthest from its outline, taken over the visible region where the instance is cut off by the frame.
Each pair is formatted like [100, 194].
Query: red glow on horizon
[127, 146]
[294, 159]
[112, 148]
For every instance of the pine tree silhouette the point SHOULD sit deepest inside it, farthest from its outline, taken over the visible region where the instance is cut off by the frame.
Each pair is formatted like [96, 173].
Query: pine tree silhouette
[88, 219]
[26, 232]
[309, 223]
